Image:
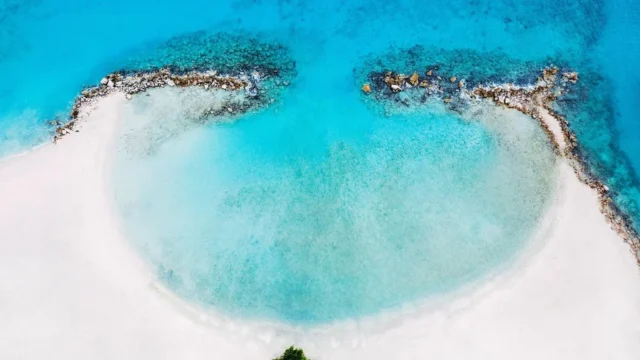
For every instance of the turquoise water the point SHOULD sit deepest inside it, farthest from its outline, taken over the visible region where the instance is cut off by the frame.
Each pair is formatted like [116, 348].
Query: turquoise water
[310, 176]
[323, 209]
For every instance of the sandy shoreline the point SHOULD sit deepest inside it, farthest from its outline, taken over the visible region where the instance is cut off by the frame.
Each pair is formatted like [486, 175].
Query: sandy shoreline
[72, 286]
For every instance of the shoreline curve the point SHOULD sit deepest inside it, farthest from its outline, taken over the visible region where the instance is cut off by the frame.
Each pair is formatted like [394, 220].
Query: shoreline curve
[603, 262]
[578, 272]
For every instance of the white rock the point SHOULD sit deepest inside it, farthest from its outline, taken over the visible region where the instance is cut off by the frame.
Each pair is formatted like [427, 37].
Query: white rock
[104, 81]
[128, 96]
[170, 82]
[110, 83]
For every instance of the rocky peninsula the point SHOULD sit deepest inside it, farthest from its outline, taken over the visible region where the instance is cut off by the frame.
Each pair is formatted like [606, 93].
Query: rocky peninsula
[138, 82]
[535, 99]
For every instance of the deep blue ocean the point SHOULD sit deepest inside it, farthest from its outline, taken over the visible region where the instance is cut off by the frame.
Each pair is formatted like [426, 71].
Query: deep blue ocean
[325, 206]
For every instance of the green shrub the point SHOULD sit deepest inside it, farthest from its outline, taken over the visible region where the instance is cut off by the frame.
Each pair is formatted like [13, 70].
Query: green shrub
[292, 354]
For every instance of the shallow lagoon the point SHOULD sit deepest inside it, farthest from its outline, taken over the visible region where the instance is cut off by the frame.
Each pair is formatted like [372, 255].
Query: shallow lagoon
[317, 211]
[43, 68]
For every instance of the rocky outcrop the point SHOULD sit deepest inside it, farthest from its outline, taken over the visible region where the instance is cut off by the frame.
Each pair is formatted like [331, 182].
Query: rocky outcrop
[135, 83]
[414, 79]
[530, 100]
[536, 100]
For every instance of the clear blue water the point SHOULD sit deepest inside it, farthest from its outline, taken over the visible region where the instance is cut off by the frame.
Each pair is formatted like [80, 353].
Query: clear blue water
[321, 139]
[324, 209]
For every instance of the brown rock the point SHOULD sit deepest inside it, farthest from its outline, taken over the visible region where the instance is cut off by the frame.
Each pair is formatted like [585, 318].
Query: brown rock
[366, 88]
[571, 77]
[414, 79]
[447, 100]
[424, 83]
[430, 72]
[453, 79]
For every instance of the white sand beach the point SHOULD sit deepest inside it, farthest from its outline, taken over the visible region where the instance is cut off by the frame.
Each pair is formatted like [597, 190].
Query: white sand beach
[72, 288]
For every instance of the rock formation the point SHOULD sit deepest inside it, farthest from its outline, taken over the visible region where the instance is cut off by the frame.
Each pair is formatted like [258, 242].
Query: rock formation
[535, 100]
[141, 81]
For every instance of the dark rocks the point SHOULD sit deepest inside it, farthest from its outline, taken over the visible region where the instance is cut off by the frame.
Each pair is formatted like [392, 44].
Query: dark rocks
[139, 82]
[530, 99]
[250, 90]
[571, 77]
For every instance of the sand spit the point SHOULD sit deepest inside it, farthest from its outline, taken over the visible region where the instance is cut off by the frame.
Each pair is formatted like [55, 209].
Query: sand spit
[138, 82]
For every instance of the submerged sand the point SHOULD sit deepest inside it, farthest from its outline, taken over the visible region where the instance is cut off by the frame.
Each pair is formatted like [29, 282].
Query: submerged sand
[72, 288]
